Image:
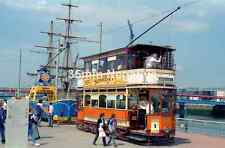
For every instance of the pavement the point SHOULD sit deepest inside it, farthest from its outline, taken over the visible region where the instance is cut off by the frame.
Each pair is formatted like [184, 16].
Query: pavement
[68, 136]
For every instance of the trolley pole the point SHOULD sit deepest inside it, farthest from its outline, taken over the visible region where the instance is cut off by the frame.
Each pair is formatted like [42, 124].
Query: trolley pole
[100, 37]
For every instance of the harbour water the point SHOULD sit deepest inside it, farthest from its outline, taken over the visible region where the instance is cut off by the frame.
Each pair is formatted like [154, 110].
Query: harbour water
[202, 125]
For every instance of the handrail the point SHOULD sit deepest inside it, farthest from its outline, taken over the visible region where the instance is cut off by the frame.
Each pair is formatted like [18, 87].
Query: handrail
[197, 120]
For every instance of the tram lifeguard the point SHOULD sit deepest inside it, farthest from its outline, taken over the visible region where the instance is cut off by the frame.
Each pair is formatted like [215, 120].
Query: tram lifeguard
[120, 81]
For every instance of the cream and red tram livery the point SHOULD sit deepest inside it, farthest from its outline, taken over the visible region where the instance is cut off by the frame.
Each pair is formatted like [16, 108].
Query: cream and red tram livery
[137, 84]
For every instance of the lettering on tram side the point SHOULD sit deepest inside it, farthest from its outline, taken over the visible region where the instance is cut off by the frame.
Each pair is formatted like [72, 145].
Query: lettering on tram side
[99, 78]
[118, 78]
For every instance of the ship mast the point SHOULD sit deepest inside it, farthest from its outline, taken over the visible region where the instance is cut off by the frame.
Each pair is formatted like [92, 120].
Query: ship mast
[51, 50]
[67, 62]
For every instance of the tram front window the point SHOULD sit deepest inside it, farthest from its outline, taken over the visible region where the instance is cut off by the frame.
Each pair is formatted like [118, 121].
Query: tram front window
[165, 107]
[120, 102]
[165, 104]
[102, 101]
[155, 104]
[42, 96]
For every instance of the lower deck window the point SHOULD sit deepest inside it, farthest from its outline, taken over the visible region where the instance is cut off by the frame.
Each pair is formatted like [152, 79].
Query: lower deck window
[110, 103]
[94, 103]
[87, 100]
[102, 101]
[120, 102]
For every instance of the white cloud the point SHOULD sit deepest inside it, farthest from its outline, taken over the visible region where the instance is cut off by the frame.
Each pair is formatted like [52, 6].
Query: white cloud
[110, 15]
[34, 5]
[190, 26]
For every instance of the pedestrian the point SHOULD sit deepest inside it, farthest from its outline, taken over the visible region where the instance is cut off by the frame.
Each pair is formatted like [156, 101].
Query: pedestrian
[39, 111]
[2, 121]
[100, 132]
[50, 114]
[112, 125]
[32, 127]
[5, 105]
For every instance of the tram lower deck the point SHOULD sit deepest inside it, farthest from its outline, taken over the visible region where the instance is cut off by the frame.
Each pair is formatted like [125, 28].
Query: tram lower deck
[142, 113]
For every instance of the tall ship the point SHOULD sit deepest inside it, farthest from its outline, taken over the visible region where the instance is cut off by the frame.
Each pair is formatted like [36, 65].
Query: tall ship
[60, 60]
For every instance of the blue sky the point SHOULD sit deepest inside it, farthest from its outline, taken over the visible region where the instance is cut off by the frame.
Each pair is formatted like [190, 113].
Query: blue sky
[197, 31]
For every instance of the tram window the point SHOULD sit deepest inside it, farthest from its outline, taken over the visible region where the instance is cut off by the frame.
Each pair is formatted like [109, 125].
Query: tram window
[87, 100]
[132, 101]
[95, 66]
[87, 66]
[155, 103]
[120, 62]
[94, 103]
[42, 96]
[103, 65]
[110, 103]
[111, 64]
[165, 104]
[111, 100]
[102, 101]
[120, 102]
[131, 61]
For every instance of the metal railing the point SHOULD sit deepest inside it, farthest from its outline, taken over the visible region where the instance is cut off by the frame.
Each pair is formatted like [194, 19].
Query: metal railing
[207, 127]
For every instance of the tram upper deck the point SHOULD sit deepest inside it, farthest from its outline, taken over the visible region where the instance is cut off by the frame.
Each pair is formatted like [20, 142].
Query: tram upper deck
[140, 65]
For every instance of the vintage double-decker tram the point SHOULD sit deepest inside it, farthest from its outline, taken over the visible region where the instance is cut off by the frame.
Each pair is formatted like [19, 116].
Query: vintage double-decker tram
[137, 84]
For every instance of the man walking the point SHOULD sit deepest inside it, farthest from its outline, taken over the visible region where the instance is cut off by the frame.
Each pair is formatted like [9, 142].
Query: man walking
[39, 111]
[50, 115]
[32, 127]
[112, 125]
[2, 121]
[100, 127]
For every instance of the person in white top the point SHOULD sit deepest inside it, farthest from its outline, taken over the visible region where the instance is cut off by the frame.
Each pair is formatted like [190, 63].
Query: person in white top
[152, 61]
[50, 115]
[5, 105]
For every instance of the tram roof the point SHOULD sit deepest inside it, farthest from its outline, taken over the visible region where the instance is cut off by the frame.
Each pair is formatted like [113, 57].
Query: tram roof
[124, 50]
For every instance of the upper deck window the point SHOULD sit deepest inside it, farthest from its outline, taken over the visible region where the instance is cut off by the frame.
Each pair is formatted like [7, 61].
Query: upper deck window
[150, 58]
[121, 64]
[87, 66]
[135, 57]
[111, 63]
[103, 65]
[95, 64]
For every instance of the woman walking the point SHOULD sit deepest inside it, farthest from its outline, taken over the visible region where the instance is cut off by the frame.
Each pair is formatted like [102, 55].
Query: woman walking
[112, 125]
[100, 132]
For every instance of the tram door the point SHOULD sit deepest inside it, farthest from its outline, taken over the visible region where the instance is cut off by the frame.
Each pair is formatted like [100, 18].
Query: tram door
[138, 103]
[143, 109]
